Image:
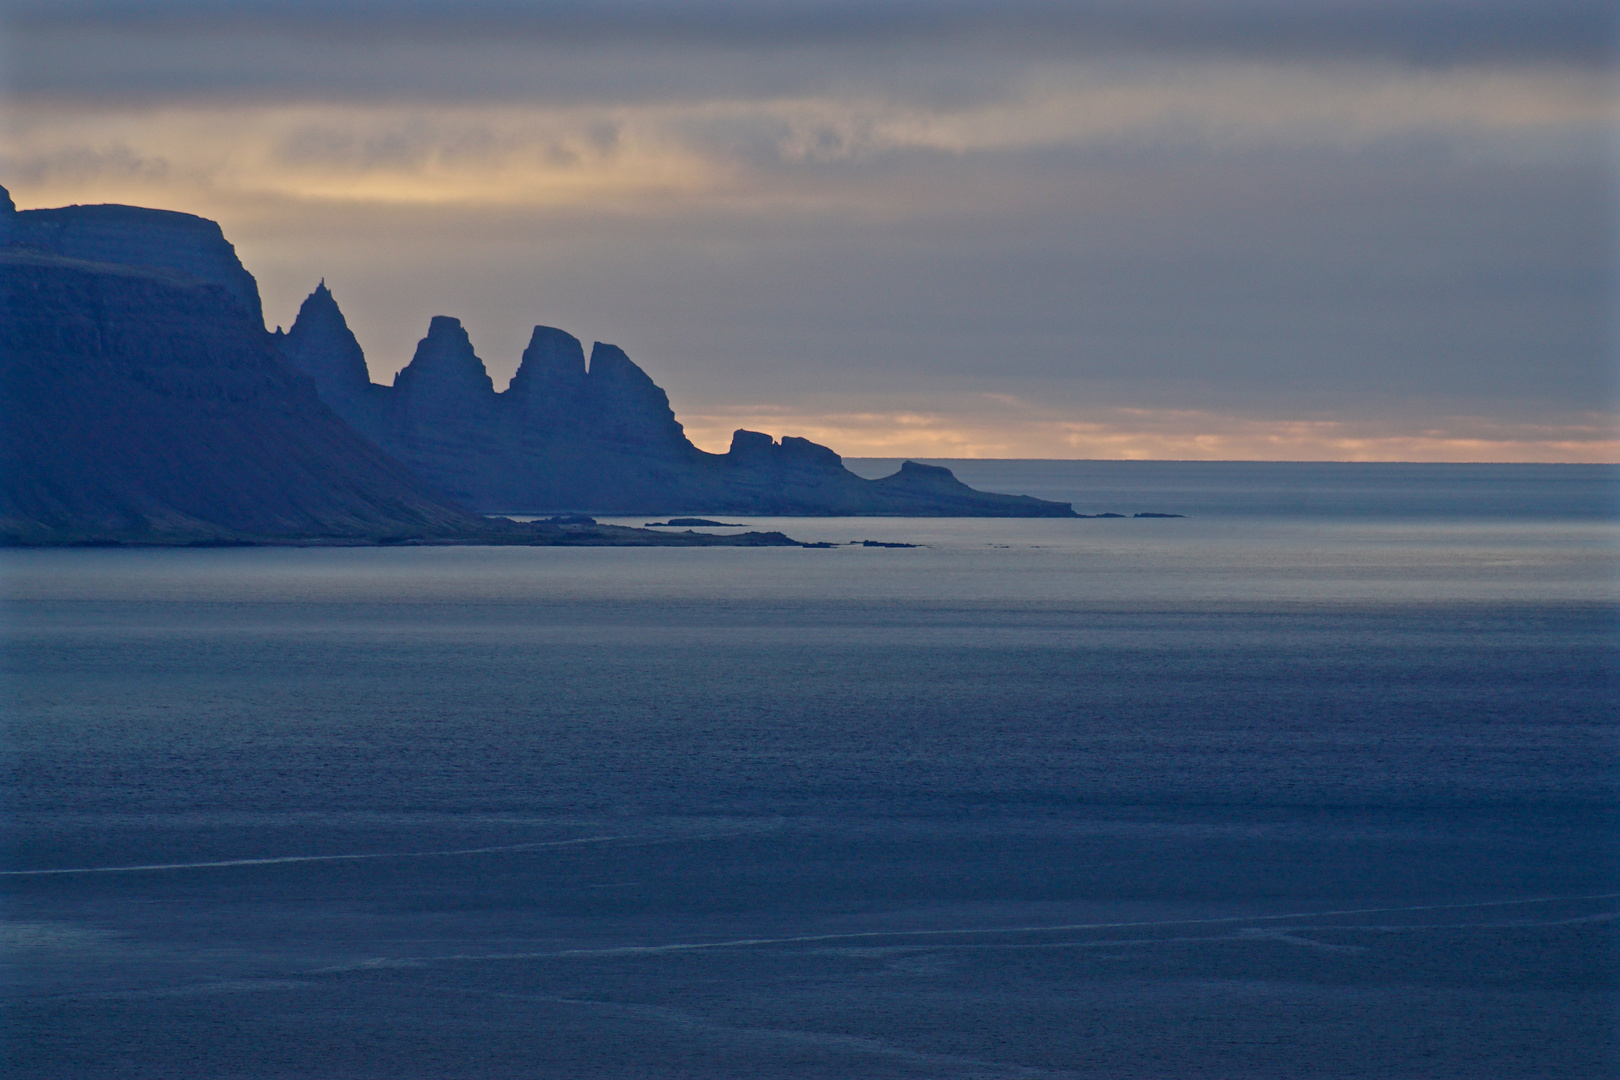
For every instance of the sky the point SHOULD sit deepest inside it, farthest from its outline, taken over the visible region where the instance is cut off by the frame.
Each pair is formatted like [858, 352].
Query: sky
[1256, 229]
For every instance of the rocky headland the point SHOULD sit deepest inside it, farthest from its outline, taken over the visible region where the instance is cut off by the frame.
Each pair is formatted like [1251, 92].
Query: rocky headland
[597, 437]
[143, 402]
[142, 406]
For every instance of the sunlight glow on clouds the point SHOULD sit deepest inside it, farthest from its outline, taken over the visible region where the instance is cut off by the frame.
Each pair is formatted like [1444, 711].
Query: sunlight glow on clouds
[1007, 428]
[1237, 229]
[613, 158]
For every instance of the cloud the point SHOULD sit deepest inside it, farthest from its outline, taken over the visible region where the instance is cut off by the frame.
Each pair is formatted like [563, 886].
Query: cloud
[865, 153]
[1003, 427]
[1259, 224]
[1447, 31]
[78, 163]
[939, 53]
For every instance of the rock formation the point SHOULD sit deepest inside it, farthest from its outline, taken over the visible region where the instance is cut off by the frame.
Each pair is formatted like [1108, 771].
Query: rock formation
[598, 438]
[142, 405]
[135, 236]
[143, 398]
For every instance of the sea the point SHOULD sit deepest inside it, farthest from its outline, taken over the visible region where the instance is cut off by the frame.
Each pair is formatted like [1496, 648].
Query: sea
[1318, 780]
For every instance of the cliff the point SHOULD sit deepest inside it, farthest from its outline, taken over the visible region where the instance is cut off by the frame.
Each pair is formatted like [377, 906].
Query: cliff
[142, 405]
[567, 436]
[143, 399]
[135, 236]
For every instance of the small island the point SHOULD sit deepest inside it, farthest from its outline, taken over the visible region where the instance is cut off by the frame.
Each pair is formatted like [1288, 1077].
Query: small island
[690, 523]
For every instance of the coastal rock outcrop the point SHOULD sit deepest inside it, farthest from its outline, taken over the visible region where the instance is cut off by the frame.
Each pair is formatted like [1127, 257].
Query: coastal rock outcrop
[145, 406]
[323, 347]
[443, 407]
[601, 438]
[135, 236]
[143, 398]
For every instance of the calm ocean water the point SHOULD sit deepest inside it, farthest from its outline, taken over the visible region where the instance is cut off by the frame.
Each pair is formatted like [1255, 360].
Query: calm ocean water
[1319, 781]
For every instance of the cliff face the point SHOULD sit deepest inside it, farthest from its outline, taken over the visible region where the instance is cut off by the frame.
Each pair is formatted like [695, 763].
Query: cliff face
[136, 236]
[597, 438]
[142, 398]
[143, 405]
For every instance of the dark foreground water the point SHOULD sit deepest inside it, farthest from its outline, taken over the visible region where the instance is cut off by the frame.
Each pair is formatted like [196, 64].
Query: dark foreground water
[1264, 795]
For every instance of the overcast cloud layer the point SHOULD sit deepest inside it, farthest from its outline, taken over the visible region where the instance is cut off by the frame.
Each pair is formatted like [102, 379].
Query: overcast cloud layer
[1163, 229]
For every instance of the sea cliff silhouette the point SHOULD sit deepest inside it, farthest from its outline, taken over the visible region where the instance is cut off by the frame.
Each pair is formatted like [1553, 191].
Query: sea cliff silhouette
[142, 401]
[145, 404]
[139, 403]
[597, 437]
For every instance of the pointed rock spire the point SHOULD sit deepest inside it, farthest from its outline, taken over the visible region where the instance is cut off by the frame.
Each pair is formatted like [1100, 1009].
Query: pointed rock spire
[321, 345]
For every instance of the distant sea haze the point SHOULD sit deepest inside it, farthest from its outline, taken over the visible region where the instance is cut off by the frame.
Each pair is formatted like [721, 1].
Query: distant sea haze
[1296, 489]
[1316, 782]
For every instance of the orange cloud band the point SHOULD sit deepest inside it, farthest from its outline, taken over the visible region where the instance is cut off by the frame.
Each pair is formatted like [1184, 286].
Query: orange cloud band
[1173, 435]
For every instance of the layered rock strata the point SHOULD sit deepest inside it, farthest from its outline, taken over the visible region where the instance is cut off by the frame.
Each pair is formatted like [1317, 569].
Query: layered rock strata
[135, 236]
[140, 404]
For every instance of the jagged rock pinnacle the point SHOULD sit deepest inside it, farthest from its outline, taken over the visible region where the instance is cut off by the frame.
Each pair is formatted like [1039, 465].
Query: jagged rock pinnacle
[321, 345]
[567, 436]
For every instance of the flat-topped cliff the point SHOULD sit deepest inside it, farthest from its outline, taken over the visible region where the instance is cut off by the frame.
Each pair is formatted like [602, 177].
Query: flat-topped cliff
[135, 236]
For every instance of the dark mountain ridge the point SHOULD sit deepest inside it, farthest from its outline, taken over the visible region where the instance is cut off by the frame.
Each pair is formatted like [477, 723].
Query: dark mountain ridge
[567, 436]
[142, 401]
[141, 404]
[135, 236]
